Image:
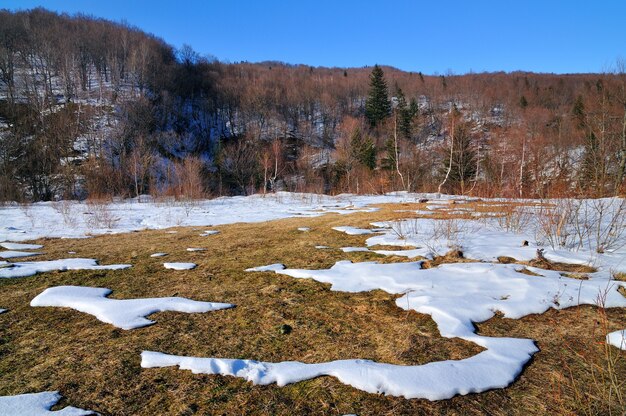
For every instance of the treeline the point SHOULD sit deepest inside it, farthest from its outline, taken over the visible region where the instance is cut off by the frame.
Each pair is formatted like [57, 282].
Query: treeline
[92, 108]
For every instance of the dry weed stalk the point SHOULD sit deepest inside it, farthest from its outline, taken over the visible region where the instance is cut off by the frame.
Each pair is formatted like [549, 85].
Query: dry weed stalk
[605, 391]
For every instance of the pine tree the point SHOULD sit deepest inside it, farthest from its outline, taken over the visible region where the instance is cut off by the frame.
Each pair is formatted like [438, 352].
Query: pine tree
[377, 105]
[578, 112]
[403, 112]
[523, 102]
[414, 107]
[363, 149]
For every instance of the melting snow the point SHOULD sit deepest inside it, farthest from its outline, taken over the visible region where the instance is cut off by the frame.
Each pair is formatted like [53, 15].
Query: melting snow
[353, 230]
[10, 254]
[37, 404]
[179, 266]
[123, 313]
[209, 232]
[269, 268]
[455, 296]
[24, 269]
[354, 249]
[18, 246]
[158, 255]
[42, 220]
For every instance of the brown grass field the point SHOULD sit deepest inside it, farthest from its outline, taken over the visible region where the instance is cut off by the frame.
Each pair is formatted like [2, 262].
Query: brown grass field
[97, 366]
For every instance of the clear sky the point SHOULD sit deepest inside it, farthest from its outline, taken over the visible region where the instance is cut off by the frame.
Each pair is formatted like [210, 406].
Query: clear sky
[431, 37]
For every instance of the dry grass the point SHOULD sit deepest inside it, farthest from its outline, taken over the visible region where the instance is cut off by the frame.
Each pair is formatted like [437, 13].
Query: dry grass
[96, 366]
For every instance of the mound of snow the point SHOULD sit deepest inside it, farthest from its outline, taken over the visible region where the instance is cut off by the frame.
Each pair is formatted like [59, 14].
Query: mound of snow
[123, 313]
[24, 269]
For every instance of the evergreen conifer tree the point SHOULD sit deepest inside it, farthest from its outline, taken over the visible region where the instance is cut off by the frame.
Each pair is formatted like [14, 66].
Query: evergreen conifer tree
[377, 105]
[404, 114]
[363, 149]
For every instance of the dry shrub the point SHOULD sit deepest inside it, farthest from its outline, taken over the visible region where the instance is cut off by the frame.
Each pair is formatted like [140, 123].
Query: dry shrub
[604, 392]
[99, 214]
[597, 225]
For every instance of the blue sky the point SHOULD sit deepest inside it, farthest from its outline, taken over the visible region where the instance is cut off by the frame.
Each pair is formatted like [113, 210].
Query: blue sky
[431, 37]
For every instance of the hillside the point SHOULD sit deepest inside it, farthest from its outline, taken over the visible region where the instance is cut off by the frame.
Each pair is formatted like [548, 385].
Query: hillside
[93, 108]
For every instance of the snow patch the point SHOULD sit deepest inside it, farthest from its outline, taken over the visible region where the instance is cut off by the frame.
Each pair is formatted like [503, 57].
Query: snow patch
[10, 254]
[25, 269]
[18, 246]
[354, 249]
[179, 266]
[353, 230]
[37, 404]
[269, 268]
[122, 313]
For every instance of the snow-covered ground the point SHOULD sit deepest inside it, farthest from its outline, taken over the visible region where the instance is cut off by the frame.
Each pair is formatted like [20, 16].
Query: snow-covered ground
[122, 313]
[70, 219]
[455, 295]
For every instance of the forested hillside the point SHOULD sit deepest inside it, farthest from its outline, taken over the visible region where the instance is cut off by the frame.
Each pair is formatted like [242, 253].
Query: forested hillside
[92, 108]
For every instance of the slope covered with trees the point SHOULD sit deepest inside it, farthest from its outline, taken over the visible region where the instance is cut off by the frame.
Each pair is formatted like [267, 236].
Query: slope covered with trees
[92, 108]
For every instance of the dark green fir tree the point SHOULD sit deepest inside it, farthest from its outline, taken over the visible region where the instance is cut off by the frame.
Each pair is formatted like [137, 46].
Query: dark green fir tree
[377, 105]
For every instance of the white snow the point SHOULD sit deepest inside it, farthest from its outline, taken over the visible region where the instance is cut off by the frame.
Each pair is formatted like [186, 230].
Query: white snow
[269, 268]
[18, 246]
[617, 339]
[354, 249]
[304, 229]
[37, 404]
[353, 230]
[193, 249]
[24, 269]
[179, 266]
[10, 254]
[158, 255]
[3, 310]
[321, 247]
[209, 232]
[455, 296]
[38, 220]
[123, 313]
